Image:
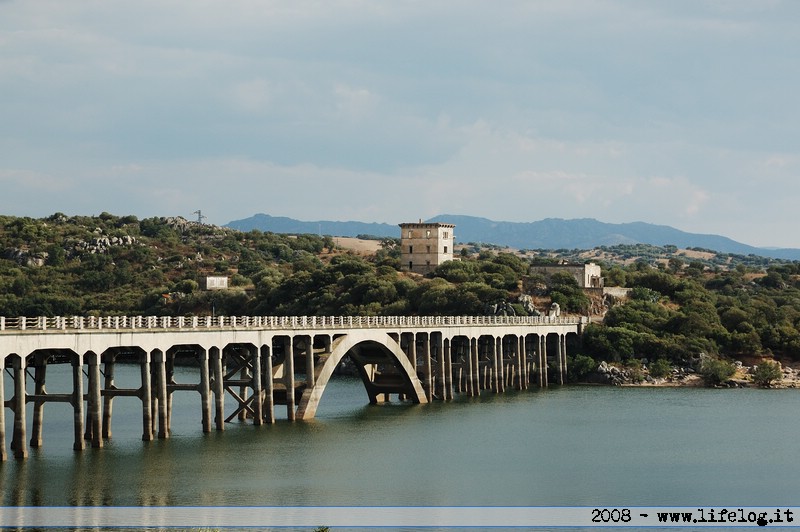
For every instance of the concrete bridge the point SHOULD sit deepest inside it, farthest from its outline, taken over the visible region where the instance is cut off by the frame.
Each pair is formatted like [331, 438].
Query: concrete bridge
[264, 361]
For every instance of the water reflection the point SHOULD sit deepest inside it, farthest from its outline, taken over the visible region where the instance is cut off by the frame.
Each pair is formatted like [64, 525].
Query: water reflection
[564, 446]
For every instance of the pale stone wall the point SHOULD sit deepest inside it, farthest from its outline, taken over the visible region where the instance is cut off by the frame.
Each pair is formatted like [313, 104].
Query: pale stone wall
[587, 275]
[424, 246]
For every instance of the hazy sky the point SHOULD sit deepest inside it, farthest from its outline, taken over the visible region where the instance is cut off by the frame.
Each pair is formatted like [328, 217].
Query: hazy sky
[682, 113]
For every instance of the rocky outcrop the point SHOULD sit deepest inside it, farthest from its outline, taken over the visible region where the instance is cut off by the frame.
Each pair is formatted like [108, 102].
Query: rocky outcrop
[26, 258]
[608, 374]
[102, 244]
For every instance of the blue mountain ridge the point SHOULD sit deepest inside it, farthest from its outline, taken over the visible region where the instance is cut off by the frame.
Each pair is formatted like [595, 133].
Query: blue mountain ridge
[550, 233]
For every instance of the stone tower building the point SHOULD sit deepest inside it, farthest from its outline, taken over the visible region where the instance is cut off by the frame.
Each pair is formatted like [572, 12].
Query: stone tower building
[424, 246]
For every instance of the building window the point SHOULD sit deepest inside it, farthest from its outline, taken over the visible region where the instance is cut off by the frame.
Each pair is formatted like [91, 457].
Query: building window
[445, 249]
[409, 233]
[446, 234]
[428, 233]
[410, 265]
[411, 249]
[429, 249]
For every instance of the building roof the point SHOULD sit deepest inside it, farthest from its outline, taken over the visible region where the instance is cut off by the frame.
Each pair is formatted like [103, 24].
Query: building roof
[426, 224]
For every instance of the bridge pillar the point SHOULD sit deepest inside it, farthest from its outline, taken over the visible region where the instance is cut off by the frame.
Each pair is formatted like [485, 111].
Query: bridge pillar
[19, 445]
[39, 379]
[108, 384]
[258, 394]
[448, 373]
[515, 358]
[523, 359]
[269, 397]
[476, 367]
[310, 362]
[495, 365]
[442, 367]
[205, 389]
[288, 376]
[77, 399]
[94, 402]
[160, 360]
[562, 342]
[215, 354]
[542, 360]
[145, 393]
[3, 452]
[411, 353]
[427, 384]
[497, 343]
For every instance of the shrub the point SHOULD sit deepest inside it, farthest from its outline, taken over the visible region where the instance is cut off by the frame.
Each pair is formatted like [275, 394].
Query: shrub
[660, 368]
[767, 372]
[580, 366]
[715, 371]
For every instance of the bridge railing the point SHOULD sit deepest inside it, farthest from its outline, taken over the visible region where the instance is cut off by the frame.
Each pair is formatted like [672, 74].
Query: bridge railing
[99, 323]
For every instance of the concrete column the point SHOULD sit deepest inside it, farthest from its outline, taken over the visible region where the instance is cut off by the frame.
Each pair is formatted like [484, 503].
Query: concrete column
[448, 371]
[289, 377]
[412, 359]
[159, 361]
[523, 354]
[543, 360]
[441, 386]
[563, 342]
[19, 445]
[205, 389]
[495, 365]
[147, 398]
[77, 399]
[169, 378]
[501, 364]
[3, 452]
[219, 387]
[258, 394]
[269, 397]
[39, 378]
[310, 377]
[513, 349]
[476, 367]
[427, 385]
[108, 384]
[244, 375]
[468, 358]
[95, 403]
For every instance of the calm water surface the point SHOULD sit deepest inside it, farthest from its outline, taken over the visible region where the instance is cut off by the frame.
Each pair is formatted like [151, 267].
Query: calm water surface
[568, 446]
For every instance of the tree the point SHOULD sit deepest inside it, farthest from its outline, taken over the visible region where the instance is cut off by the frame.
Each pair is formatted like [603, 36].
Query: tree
[766, 373]
[715, 371]
[660, 368]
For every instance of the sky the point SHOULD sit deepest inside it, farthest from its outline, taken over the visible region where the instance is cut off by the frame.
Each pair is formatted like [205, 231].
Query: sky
[682, 112]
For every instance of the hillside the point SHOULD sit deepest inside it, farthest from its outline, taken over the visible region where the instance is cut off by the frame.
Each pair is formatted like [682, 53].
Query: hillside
[683, 306]
[551, 233]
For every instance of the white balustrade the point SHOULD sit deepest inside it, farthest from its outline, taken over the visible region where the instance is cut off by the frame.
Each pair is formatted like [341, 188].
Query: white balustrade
[43, 323]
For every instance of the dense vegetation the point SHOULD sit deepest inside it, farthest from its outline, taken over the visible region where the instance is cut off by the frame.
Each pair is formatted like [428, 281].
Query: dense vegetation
[678, 308]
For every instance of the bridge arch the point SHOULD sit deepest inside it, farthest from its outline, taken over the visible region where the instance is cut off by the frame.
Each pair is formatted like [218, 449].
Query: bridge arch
[341, 347]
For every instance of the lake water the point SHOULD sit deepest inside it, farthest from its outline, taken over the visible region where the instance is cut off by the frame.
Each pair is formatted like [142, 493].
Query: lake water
[563, 446]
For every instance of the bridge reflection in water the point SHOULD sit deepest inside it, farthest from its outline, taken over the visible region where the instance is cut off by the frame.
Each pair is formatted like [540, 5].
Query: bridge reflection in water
[264, 361]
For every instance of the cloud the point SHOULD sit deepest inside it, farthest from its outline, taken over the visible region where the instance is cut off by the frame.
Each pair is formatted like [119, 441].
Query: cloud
[670, 112]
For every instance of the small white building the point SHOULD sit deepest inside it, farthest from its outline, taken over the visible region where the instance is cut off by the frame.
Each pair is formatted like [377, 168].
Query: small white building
[215, 282]
[424, 246]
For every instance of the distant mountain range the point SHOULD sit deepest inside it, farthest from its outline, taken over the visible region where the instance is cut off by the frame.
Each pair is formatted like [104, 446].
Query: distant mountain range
[550, 233]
